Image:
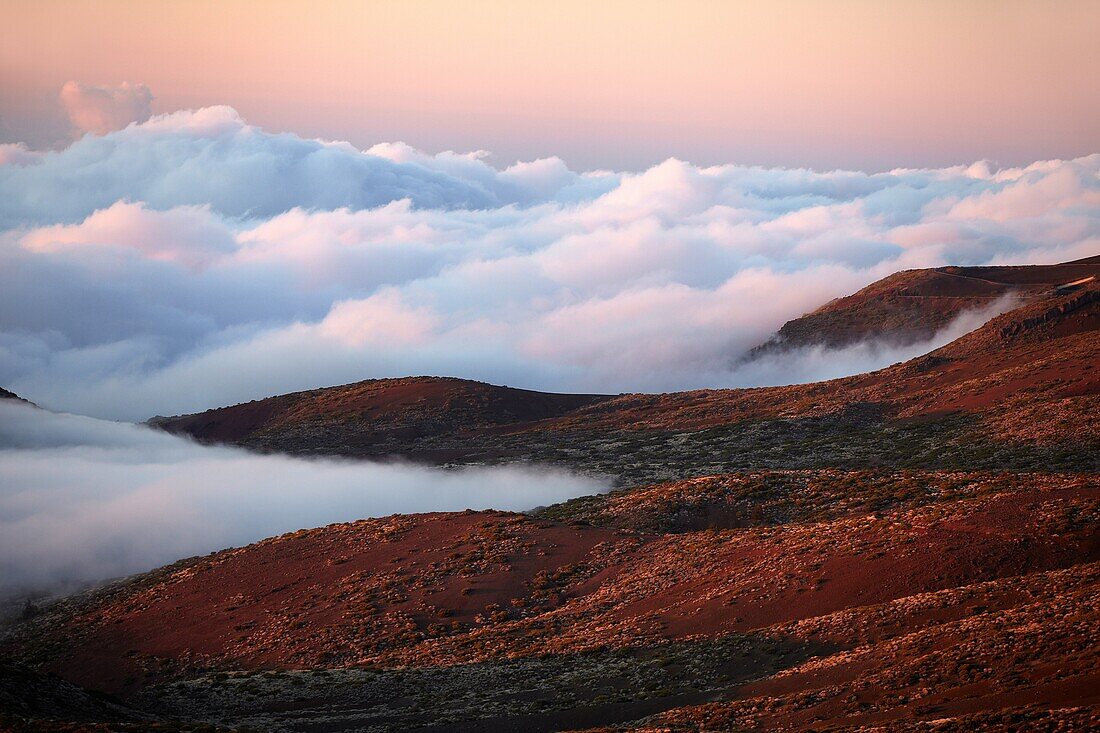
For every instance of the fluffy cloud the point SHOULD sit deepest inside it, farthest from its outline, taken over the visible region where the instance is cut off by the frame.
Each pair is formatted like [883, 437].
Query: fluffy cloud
[211, 157]
[100, 110]
[82, 500]
[194, 260]
[187, 234]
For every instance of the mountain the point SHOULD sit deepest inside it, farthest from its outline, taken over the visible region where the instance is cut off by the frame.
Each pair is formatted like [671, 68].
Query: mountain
[910, 549]
[911, 306]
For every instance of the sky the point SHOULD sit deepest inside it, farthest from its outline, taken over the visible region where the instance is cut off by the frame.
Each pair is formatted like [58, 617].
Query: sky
[207, 203]
[619, 85]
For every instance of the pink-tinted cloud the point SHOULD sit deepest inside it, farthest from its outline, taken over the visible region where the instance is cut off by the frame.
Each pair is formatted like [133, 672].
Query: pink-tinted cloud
[101, 109]
[189, 235]
[18, 154]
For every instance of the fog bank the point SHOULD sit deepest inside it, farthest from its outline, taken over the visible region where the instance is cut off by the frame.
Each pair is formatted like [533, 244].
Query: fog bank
[818, 363]
[83, 500]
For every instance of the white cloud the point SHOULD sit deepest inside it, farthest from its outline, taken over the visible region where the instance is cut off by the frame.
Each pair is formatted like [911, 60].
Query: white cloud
[82, 500]
[194, 260]
[210, 156]
[100, 110]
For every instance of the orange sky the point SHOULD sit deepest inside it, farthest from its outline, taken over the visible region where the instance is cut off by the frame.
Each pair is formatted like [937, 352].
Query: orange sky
[602, 84]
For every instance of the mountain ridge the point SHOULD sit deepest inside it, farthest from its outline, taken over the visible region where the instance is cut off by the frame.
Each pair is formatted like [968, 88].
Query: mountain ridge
[912, 305]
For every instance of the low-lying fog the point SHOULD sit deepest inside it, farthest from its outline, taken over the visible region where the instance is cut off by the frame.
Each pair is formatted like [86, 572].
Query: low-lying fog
[83, 500]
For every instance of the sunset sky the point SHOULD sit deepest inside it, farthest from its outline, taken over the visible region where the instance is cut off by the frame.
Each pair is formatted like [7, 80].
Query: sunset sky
[871, 85]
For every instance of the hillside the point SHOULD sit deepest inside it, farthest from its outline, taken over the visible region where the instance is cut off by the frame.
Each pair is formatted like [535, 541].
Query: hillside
[374, 417]
[909, 549]
[867, 597]
[911, 306]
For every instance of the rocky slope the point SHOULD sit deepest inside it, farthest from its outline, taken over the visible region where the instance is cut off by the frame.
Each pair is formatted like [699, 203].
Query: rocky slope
[761, 601]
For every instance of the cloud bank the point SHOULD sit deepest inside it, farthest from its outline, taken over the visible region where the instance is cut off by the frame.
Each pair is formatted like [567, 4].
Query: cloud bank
[193, 260]
[82, 500]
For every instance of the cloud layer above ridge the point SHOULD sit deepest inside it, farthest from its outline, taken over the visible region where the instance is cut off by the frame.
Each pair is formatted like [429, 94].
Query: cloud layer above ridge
[192, 260]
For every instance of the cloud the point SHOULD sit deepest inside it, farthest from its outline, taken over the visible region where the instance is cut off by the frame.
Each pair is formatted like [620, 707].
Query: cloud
[100, 110]
[194, 260]
[17, 154]
[212, 157]
[186, 234]
[82, 500]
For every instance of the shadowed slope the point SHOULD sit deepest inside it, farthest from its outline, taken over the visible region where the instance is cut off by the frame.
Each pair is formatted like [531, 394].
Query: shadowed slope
[376, 416]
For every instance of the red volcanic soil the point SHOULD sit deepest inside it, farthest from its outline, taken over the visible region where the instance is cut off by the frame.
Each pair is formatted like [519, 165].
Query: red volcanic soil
[1004, 655]
[457, 588]
[336, 595]
[745, 580]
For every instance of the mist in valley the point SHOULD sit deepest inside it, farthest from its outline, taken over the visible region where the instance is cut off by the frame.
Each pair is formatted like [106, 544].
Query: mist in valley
[83, 500]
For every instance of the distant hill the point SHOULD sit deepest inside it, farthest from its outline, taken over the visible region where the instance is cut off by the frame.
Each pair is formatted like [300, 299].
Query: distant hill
[375, 416]
[911, 306]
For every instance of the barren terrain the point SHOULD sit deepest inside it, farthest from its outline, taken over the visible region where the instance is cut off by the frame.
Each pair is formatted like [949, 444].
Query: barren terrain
[911, 549]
